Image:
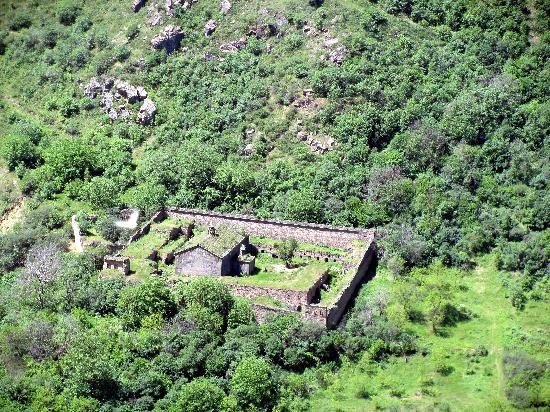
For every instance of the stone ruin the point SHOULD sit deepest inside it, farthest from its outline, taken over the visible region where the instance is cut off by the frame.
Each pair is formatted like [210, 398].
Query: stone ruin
[168, 39]
[115, 94]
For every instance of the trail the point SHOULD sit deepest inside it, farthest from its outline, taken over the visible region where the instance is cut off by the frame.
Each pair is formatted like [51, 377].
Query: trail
[496, 344]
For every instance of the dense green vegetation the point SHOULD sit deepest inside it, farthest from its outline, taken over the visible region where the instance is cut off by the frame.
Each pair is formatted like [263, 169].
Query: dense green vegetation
[440, 113]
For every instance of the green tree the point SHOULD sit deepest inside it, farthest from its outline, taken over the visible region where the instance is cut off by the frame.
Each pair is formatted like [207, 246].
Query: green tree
[253, 383]
[147, 197]
[199, 395]
[241, 313]
[286, 249]
[148, 298]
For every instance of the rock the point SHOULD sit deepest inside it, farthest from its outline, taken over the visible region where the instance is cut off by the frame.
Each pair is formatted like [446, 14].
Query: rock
[268, 48]
[147, 112]
[155, 18]
[310, 30]
[209, 56]
[138, 4]
[338, 56]
[225, 6]
[302, 136]
[113, 114]
[331, 42]
[107, 101]
[210, 27]
[123, 112]
[170, 6]
[233, 46]
[281, 21]
[249, 150]
[93, 88]
[141, 92]
[169, 39]
[126, 90]
[262, 31]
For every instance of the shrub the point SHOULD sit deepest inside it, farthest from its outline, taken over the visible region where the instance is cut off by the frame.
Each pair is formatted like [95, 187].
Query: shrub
[67, 13]
[108, 229]
[199, 395]
[19, 21]
[139, 301]
[253, 383]
[19, 150]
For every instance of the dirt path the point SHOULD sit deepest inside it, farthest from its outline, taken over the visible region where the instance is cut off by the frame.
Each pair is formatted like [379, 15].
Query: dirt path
[12, 215]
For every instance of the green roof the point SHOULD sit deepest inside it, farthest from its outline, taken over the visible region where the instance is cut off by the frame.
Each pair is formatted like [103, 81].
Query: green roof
[219, 244]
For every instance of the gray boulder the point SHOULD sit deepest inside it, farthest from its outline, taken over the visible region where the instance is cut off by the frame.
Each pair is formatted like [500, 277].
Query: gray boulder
[338, 55]
[225, 6]
[233, 46]
[138, 4]
[93, 88]
[210, 27]
[169, 39]
[147, 112]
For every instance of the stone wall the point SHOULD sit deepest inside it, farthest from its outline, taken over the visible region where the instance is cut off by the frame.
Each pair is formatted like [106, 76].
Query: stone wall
[120, 263]
[293, 298]
[262, 311]
[338, 309]
[340, 237]
[197, 262]
[308, 254]
[143, 230]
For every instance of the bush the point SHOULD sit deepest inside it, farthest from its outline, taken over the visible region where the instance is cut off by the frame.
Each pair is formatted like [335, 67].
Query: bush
[107, 229]
[18, 150]
[200, 395]
[67, 13]
[253, 383]
[19, 21]
[139, 301]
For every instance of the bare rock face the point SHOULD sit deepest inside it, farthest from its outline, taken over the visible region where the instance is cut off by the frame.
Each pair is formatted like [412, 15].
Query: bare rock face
[138, 4]
[262, 31]
[93, 88]
[210, 27]
[169, 39]
[127, 91]
[147, 112]
[338, 55]
[233, 46]
[248, 150]
[225, 6]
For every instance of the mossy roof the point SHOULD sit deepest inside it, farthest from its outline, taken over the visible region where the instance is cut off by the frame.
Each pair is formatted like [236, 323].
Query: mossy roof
[219, 244]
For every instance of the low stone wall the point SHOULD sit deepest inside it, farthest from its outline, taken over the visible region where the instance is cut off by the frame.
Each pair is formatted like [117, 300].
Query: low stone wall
[338, 309]
[334, 236]
[310, 254]
[262, 311]
[120, 263]
[293, 298]
[316, 314]
[143, 230]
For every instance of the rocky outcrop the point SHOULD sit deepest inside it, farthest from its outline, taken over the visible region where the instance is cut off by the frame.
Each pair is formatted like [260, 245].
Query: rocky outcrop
[131, 93]
[115, 95]
[317, 144]
[147, 112]
[93, 88]
[262, 31]
[233, 46]
[169, 39]
[225, 6]
[339, 55]
[137, 5]
[210, 27]
[249, 150]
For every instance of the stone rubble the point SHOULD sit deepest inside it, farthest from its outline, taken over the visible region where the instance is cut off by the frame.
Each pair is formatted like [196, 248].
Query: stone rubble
[137, 5]
[233, 46]
[225, 6]
[315, 144]
[248, 150]
[147, 112]
[169, 39]
[115, 94]
[338, 55]
[210, 27]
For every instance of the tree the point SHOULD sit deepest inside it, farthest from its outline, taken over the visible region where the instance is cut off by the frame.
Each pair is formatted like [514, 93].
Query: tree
[147, 197]
[241, 313]
[19, 150]
[199, 395]
[253, 383]
[208, 293]
[286, 249]
[148, 298]
[41, 270]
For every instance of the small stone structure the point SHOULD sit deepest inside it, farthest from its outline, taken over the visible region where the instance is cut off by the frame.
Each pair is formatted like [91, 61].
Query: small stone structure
[220, 253]
[120, 263]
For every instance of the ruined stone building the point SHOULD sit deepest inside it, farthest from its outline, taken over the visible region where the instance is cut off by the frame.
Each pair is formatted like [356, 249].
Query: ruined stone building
[221, 252]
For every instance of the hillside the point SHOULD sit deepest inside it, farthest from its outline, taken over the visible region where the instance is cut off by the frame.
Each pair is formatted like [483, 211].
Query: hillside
[427, 120]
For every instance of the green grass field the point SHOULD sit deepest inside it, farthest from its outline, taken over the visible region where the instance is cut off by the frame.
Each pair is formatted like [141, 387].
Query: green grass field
[475, 383]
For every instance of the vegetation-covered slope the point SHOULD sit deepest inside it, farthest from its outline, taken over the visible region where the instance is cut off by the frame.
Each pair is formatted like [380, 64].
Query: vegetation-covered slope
[427, 119]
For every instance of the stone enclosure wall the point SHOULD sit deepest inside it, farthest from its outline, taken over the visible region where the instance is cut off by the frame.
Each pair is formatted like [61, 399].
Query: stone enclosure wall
[340, 237]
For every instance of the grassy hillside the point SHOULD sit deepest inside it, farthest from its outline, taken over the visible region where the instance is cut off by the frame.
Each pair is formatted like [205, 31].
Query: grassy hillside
[427, 119]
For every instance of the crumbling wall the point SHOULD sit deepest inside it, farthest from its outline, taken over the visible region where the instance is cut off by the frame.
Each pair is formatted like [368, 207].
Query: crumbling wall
[261, 312]
[320, 256]
[293, 298]
[338, 309]
[120, 263]
[340, 237]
